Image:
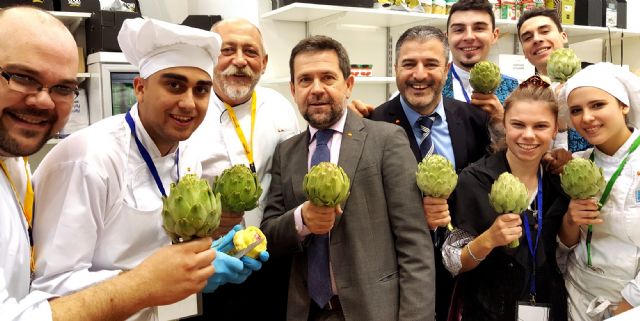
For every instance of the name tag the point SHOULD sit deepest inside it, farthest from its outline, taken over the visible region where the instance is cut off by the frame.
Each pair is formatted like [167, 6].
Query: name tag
[527, 312]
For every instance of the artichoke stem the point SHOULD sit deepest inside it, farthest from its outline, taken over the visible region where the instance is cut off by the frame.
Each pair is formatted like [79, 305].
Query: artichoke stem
[514, 244]
[449, 227]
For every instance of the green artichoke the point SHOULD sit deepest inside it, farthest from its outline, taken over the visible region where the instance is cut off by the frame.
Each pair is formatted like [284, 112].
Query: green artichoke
[191, 210]
[562, 65]
[436, 176]
[326, 184]
[239, 189]
[582, 179]
[509, 195]
[485, 77]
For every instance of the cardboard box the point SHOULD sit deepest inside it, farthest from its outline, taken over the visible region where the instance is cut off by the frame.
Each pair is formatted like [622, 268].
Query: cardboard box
[102, 30]
[345, 3]
[82, 67]
[44, 4]
[203, 22]
[77, 5]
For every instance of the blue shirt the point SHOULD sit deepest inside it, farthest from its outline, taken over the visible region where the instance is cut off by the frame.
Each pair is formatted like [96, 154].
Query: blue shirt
[439, 131]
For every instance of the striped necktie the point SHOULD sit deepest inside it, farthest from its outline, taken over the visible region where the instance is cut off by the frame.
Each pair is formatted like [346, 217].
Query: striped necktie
[426, 144]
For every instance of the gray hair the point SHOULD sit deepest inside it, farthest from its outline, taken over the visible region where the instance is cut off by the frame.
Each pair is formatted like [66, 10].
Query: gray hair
[423, 33]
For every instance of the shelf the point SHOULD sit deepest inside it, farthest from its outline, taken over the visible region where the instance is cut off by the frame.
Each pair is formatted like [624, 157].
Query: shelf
[71, 19]
[325, 14]
[359, 80]
[83, 75]
[53, 141]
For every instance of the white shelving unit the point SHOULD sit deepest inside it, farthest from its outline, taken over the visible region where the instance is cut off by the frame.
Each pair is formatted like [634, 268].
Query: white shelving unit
[319, 14]
[71, 19]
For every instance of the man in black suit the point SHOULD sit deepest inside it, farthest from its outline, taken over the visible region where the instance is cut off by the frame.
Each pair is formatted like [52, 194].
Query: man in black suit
[459, 131]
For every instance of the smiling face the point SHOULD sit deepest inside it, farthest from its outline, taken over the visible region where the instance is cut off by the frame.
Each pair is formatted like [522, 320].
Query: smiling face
[421, 71]
[42, 50]
[241, 62]
[319, 88]
[539, 36]
[470, 35]
[530, 127]
[172, 103]
[599, 118]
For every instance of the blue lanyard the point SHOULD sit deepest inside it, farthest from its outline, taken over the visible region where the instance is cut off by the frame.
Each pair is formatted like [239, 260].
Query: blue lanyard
[464, 91]
[533, 249]
[147, 157]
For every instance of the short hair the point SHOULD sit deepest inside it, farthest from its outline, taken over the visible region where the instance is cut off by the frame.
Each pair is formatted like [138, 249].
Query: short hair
[319, 43]
[423, 33]
[473, 5]
[527, 93]
[539, 12]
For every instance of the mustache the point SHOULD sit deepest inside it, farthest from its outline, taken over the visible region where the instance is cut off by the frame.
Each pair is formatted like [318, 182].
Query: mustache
[30, 111]
[235, 71]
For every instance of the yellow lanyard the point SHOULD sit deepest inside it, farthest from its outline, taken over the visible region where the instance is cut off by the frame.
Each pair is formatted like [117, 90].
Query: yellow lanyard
[248, 149]
[27, 204]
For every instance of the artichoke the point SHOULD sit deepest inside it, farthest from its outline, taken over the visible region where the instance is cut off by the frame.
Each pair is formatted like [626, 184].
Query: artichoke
[485, 77]
[581, 178]
[326, 184]
[243, 238]
[509, 195]
[191, 210]
[239, 189]
[436, 176]
[562, 65]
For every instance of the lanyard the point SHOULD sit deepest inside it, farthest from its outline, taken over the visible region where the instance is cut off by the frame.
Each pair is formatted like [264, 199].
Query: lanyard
[464, 91]
[248, 149]
[607, 190]
[26, 206]
[147, 157]
[533, 248]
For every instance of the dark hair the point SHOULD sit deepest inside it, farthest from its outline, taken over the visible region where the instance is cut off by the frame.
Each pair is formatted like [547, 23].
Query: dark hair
[529, 92]
[539, 12]
[321, 43]
[473, 5]
[423, 33]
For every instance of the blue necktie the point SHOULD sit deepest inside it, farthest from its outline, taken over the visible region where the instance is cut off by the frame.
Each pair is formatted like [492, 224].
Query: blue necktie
[426, 144]
[318, 277]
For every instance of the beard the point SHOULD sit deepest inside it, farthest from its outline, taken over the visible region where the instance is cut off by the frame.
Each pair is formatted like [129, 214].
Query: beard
[237, 91]
[10, 145]
[324, 119]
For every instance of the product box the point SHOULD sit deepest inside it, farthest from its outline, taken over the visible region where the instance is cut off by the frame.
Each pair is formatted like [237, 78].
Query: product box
[346, 3]
[77, 5]
[589, 13]
[44, 4]
[203, 22]
[102, 30]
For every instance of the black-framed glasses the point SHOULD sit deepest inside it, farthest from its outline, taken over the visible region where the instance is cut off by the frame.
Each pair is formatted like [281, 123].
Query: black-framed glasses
[27, 85]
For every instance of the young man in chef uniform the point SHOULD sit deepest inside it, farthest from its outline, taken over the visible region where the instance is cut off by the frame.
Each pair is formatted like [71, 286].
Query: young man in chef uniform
[99, 192]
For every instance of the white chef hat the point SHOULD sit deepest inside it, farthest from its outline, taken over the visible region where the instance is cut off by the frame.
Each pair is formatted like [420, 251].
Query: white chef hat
[154, 45]
[615, 80]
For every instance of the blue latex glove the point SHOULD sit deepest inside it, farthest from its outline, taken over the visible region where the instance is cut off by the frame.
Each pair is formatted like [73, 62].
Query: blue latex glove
[228, 269]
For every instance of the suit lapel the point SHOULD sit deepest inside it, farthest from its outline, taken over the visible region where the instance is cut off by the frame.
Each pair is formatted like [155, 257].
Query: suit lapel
[398, 117]
[298, 165]
[353, 138]
[457, 132]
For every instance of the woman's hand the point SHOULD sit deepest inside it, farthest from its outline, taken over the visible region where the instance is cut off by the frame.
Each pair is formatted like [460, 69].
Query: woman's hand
[583, 212]
[505, 229]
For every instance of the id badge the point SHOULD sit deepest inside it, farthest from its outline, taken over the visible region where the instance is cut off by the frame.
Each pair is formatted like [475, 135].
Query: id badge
[525, 311]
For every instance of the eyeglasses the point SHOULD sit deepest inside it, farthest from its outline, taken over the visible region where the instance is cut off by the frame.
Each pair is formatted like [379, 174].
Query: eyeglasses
[534, 81]
[27, 85]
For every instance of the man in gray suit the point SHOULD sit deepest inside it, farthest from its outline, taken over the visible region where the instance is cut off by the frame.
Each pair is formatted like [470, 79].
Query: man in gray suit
[379, 264]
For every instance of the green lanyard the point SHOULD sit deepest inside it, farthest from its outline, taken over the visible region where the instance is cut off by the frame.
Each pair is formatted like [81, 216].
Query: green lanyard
[607, 190]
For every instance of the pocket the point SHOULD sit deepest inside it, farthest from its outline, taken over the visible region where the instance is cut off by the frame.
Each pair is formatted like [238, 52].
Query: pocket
[389, 277]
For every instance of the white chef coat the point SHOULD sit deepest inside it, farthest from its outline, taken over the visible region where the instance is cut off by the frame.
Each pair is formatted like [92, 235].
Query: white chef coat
[16, 303]
[218, 145]
[98, 210]
[615, 245]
